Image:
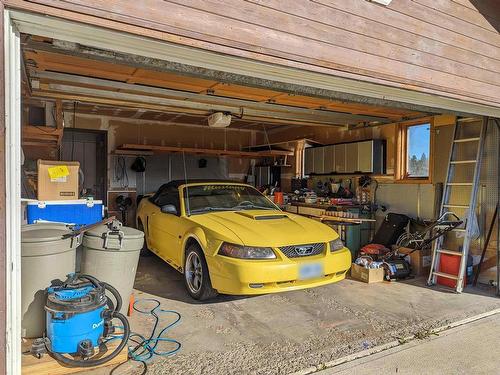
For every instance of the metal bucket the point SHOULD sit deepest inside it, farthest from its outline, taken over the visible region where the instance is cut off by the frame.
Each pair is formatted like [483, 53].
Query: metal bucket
[47, 255]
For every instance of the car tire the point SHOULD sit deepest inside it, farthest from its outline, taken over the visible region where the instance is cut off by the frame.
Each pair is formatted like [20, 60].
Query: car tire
[145, 252]
[196, 276]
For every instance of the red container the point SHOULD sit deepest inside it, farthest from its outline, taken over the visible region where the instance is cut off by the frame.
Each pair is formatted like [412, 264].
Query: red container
[449, 264]
[278, 197]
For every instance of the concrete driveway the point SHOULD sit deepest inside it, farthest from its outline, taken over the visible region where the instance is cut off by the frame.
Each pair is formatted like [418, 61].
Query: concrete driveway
[469, 349]
[287, 332]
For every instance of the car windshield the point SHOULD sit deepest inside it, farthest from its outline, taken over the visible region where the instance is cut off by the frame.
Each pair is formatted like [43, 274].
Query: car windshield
[224, 197]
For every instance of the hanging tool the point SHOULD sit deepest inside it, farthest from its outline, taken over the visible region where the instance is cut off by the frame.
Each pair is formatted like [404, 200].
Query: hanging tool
[447, 205]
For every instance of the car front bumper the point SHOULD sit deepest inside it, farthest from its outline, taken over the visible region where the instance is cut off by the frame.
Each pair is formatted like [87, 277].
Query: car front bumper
[246, 277]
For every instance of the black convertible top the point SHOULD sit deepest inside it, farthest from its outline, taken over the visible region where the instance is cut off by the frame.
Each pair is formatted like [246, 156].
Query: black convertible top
[174, 185]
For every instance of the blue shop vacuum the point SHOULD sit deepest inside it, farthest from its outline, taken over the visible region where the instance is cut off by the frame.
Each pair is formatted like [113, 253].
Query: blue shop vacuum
[79, 320]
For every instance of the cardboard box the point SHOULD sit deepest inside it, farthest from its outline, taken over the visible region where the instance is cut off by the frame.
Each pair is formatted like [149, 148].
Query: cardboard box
[420, 260]
[57, 180]
[367, 275]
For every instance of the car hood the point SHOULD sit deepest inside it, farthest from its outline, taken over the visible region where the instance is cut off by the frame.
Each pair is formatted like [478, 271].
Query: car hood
[271, 228]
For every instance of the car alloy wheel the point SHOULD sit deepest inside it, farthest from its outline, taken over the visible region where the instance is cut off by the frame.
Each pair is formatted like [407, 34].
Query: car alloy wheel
[194, 272]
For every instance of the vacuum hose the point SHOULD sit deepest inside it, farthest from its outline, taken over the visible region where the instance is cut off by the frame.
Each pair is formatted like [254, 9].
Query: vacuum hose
[107, 286]
[113, 314]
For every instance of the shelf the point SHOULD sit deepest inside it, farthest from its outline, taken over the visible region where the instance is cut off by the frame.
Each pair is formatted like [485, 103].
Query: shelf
[41, 136]
[120, 152]
[140, 149]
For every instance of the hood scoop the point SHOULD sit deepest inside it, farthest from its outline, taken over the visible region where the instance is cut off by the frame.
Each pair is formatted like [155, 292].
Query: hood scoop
[263, 215]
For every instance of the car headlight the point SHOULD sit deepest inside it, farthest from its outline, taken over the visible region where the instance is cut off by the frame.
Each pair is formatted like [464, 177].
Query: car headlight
[246, 252]
[336, 245]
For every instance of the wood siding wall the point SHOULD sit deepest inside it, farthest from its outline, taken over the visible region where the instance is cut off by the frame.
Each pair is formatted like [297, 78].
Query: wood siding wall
[450, 47]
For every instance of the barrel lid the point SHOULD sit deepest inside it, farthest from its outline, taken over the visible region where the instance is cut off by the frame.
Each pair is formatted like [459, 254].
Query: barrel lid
[44, 232]
[128, 233]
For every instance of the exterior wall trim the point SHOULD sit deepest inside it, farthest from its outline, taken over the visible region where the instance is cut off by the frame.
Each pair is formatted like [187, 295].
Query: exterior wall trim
[12, 70]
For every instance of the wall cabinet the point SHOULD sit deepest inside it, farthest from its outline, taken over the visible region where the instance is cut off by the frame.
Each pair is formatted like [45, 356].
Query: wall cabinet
[365, 156]
[340, 165]
[353, 157]
[329, 161]
[319, 159]
[309, 161]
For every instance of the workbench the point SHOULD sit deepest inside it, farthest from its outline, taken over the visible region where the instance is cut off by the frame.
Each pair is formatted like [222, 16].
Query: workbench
[355, 232]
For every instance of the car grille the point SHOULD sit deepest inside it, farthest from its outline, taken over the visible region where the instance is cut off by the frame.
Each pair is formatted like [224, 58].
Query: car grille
[299, 251]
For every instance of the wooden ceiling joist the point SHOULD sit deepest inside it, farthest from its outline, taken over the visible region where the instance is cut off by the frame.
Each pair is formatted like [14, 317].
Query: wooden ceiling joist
[186, 101]
[69, 57]
[203, 151]
[57, 73]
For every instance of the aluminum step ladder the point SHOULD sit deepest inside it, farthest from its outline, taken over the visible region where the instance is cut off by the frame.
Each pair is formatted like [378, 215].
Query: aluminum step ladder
[466, 229]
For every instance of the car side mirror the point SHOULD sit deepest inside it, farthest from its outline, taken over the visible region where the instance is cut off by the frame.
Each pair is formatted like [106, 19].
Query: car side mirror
[169, 209]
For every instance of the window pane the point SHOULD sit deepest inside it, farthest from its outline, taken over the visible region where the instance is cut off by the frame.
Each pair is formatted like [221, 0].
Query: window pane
[418, 150]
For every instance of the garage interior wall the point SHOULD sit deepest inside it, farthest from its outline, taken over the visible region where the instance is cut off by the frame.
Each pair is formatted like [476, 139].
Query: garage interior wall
[416, 200]
[123, 131]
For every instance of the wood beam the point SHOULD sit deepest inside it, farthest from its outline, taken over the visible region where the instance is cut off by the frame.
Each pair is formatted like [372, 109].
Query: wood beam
[59, 120]
[183, 105]
[169, 122]
[296, 86]
[158, 108]
[314, 115]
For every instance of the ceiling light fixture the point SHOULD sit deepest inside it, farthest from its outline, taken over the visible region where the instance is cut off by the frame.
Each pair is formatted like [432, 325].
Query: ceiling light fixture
[219, 120]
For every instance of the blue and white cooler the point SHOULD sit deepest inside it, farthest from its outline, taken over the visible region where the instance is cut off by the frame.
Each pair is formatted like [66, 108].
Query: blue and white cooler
[78, 212]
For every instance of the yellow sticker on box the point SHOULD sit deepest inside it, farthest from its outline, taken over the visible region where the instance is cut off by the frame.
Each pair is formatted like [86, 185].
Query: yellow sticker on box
[58, 172]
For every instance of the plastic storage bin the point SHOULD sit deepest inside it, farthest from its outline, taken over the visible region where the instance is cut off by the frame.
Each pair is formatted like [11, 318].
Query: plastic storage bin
[47, 254]
[79, 212]
[111, 254]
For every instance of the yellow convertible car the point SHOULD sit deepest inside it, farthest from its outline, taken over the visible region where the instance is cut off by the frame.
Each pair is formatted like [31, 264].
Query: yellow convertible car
[227, 237]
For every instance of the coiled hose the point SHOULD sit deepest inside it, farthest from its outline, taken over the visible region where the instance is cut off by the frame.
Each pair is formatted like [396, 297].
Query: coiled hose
[146, 348]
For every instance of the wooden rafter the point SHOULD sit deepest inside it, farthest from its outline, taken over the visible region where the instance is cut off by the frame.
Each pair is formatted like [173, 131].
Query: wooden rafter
[100, 88]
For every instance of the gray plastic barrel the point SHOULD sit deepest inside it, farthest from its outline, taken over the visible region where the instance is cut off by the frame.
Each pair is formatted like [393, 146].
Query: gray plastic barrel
[112, 256]
[47, 255]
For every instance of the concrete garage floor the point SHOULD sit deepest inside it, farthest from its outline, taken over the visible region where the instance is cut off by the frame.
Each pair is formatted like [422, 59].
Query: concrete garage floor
[287, 332]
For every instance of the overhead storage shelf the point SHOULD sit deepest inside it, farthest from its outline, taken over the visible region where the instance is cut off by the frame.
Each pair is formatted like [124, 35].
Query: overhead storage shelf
[147, 149]
[41, 136]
